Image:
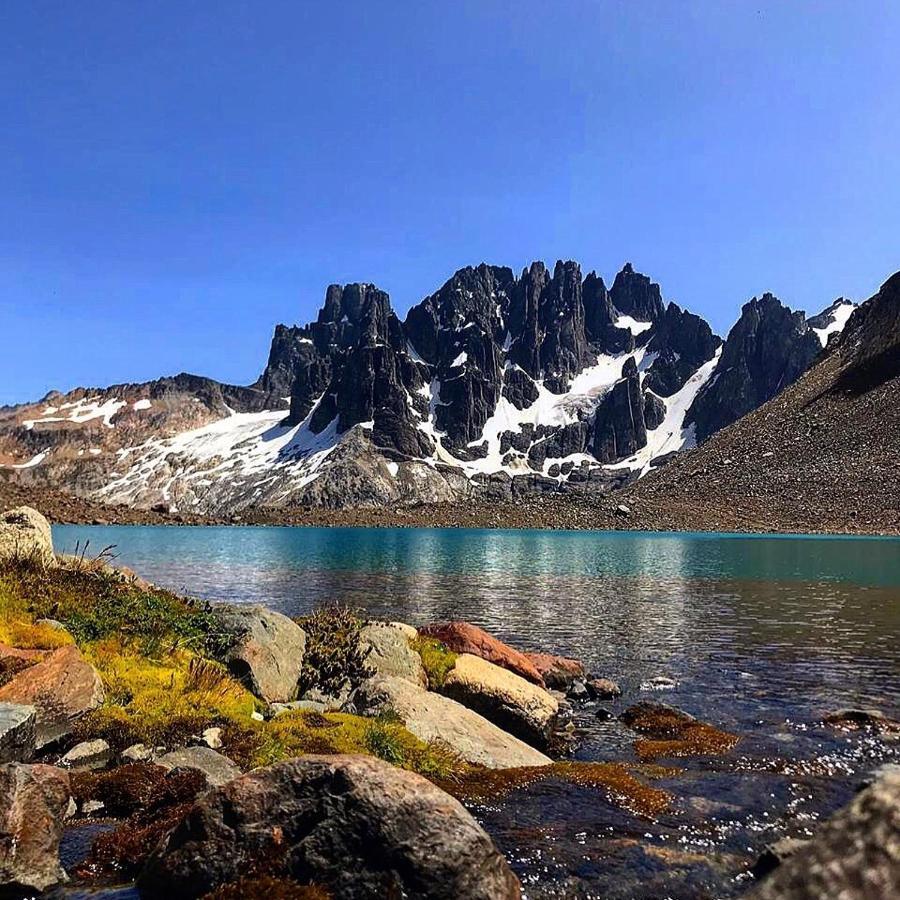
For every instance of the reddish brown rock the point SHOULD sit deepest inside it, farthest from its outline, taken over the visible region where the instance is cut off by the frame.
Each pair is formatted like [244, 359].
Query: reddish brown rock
[462, 637]
[61, 687]
[558, 672]
[33, 804]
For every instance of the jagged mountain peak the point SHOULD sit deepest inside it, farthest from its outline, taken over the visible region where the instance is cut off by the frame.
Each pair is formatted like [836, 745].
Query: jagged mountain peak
[492, 385]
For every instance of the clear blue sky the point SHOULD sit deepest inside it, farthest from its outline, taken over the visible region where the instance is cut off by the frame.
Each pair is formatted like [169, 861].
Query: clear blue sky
[177, 177]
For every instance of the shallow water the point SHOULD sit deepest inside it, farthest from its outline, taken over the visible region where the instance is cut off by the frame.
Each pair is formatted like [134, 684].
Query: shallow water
[763, 635]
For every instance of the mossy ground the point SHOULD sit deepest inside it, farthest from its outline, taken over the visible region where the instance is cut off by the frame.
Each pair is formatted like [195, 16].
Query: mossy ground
[437, 660]
[151, 649]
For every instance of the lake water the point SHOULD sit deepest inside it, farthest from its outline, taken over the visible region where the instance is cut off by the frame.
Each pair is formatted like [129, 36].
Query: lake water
[763, 635]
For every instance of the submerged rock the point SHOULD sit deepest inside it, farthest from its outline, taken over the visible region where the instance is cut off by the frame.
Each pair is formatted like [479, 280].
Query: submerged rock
[62, 687]
[855, 855]
[33, 805]
[432, 717]
[462, 637]
[359, 825]
[674, 733]
[265, 651]
[506, 699]
[25, 534]
[17, 732]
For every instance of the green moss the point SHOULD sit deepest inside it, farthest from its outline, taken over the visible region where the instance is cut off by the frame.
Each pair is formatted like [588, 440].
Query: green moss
[96, 603]
[294, 734]
[160, 703]
[436, 659]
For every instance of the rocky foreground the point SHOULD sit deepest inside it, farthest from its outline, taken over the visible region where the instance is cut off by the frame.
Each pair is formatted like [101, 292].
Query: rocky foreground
[233, 752]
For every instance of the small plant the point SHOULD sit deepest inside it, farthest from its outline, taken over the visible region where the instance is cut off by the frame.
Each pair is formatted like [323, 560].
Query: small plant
[436, 659]
[383, 742]
[335, 657]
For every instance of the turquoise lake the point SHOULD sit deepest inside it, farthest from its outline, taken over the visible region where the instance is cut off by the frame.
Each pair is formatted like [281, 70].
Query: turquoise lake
[762, 635]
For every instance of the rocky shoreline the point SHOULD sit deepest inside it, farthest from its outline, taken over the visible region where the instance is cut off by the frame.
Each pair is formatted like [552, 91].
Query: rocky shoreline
[645, 507]
[229, 752]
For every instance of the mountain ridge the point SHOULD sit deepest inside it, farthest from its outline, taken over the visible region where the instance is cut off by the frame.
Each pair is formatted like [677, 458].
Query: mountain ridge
[494, 386]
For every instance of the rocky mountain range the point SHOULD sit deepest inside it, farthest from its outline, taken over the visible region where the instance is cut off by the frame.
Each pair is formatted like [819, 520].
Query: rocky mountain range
[496, 386]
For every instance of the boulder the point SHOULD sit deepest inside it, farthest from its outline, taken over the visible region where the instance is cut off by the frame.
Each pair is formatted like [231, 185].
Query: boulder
[461, 637]
[355, 824]
[855, 855]
[558, 672]
[216, 768]
[17, 732]
[389, 653]
[506, 699]
[62, 687]
[432, 717]
[25, 534]
[265, 650]
[33, 805]
[87, 755]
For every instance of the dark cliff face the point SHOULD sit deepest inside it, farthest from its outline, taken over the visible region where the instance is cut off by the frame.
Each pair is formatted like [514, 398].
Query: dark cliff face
[768, 348]
[635, 295]
[870, 343]
[488, 336]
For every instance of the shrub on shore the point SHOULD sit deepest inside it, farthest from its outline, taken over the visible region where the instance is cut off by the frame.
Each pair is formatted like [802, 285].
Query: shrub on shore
[334, 659]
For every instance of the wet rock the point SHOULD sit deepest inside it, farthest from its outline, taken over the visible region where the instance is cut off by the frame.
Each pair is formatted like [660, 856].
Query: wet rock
[657, 720]
[360, 826]
[33, 805]
[389, 652]
[17, 732]
[673, 733]
[775, 854]
[216, 768]
[462, 637]
[659, 683]
[25, 534]
[558, 672]
[853, 719]
[502, 697]
[578, 691]
[87, 755]
[855, 855]
[266, 651]
[603, 714]
[433, 717]
[603, 689]
[61, 687]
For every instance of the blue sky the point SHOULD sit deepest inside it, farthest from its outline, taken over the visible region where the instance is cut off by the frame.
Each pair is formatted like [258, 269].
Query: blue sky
[175, 178]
